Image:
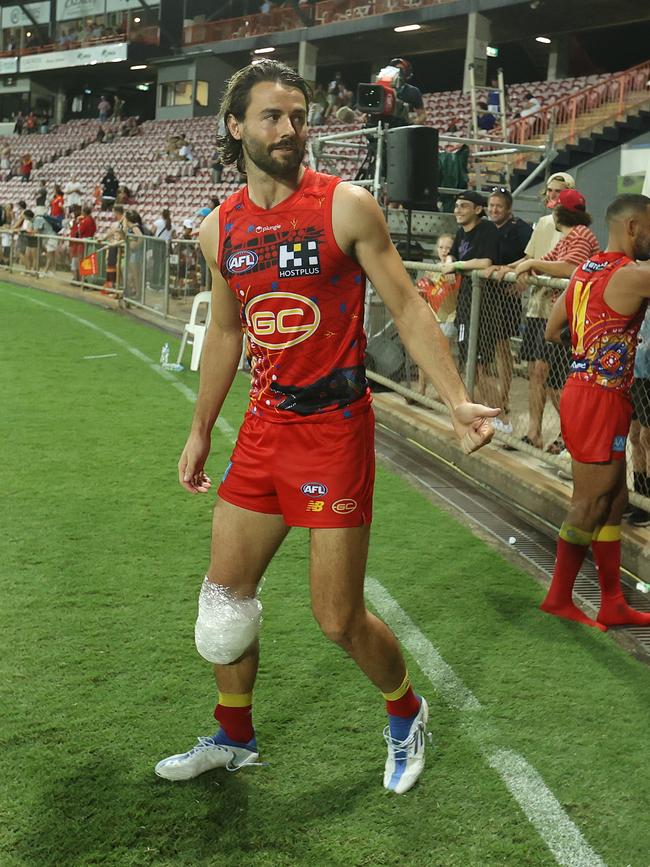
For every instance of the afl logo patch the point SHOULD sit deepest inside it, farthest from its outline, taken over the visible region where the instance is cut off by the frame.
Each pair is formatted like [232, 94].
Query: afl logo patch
[241, 261]
[342, 507]
[311, 488]
[277, 320]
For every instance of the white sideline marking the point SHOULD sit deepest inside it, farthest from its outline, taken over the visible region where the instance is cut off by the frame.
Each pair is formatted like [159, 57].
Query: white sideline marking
[542, 809]
[108, 355]
[540, 806]
[226, 429]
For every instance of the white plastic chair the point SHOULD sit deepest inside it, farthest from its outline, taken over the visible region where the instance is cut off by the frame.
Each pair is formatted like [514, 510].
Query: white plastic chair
[194, 332]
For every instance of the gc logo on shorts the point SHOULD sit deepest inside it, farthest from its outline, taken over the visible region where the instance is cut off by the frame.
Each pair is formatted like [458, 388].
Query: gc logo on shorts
[343, 507]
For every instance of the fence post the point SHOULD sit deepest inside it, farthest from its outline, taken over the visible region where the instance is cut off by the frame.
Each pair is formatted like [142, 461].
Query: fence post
[166, 278]
[143, 268]
[472, 337]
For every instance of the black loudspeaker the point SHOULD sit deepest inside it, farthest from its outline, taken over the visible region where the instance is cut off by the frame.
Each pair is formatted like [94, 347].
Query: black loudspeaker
[412, 166]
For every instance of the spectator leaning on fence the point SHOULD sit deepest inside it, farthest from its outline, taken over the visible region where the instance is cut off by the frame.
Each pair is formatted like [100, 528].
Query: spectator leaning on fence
[640, 429]
[475, 247]
[534, 348]
[514, 234]
[576, 245]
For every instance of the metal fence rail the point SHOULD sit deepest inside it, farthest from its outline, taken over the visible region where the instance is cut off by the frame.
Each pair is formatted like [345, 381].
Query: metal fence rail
[495, 331]
[159, 276]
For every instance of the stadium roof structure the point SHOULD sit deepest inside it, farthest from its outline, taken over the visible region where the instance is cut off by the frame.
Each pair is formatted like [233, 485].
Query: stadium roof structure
[443, 28]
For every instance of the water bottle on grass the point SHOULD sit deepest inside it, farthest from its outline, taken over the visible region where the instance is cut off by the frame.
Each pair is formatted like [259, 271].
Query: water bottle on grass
[164, 355]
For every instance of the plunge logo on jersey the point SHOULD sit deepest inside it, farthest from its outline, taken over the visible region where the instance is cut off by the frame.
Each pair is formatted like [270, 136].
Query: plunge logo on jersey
[300, 259]
[277, 320]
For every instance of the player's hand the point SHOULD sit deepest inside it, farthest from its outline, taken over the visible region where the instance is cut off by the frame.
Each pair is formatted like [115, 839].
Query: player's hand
[448, 268]
[190, 466]
[473, 425]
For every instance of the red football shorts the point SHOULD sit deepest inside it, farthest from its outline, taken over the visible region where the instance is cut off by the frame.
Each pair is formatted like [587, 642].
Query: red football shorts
[595, 423]
[314, 474]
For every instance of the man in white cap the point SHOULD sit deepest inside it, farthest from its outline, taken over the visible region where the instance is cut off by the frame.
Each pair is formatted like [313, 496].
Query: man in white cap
[534, 348]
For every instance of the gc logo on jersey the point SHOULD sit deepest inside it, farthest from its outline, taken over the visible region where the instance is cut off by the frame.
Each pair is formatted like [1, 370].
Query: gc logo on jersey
[277, 320]
[241, 261]
[299, 259]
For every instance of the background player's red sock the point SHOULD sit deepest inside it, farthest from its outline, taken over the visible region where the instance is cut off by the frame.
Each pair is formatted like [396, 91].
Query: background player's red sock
[572, 546]
[403, 701]
[235, 715]
[614, 610]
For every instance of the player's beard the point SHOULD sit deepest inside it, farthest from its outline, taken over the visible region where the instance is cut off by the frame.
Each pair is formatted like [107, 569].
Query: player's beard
[284, 165]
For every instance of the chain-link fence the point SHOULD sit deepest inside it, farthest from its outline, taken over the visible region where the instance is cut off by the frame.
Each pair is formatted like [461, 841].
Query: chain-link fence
[495, 330]
[159, 276]
[163, 276]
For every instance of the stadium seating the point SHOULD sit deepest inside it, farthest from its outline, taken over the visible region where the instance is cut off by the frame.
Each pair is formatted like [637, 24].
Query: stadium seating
[156, 181]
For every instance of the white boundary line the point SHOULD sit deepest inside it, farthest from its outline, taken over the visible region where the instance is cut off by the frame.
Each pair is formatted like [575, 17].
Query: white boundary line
[223, 425]
[539, 804]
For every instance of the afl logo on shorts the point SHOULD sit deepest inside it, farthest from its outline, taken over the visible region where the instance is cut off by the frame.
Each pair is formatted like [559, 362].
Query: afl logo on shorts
[312, 488]
[342, 507]
[241, 261]
[277, 320]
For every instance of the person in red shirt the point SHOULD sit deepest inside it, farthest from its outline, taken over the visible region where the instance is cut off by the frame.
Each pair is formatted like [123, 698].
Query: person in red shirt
[577, 244]
[26, 167]
[289, 253]
[84, 226]
[602, 310]
[57, 208]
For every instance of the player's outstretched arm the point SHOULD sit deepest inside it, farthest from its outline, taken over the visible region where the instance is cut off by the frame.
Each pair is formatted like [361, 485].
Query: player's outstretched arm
[219, 359]
[360, 229]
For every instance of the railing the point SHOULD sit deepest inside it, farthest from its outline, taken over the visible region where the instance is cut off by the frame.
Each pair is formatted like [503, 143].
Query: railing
[613, 95]
[325, 12]
[159, 276]
[497, 349]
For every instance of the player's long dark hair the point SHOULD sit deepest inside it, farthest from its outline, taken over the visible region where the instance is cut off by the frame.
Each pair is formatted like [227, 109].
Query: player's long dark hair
[236, 99]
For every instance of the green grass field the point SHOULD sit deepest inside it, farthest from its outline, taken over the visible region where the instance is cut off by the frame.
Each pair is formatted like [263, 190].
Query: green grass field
[102, 556]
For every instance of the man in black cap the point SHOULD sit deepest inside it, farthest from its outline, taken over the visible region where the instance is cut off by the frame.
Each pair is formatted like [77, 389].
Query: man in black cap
[476, 246]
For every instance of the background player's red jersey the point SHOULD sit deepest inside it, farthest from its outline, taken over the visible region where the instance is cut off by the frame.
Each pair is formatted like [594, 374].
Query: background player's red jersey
[603, 341]
[302, 303]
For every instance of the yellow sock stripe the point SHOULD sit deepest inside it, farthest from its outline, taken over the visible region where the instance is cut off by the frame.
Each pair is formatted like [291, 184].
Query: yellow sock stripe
[574, 535]
[234, 699]
[608, 533]
[401, 690]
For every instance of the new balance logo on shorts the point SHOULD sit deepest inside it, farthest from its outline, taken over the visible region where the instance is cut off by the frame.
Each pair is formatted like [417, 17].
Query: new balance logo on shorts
[619, 444]
[299, 259]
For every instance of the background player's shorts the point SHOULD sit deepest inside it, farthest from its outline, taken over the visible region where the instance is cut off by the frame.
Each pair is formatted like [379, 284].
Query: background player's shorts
[641, 401]
[314, 474]
[595, 423]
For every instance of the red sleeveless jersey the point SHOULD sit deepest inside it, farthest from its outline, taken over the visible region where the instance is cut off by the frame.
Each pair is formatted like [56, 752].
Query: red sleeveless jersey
[302, 303]
[603, 341]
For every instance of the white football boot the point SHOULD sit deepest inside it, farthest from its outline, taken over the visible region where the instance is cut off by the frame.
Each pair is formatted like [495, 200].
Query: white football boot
[405, 761]
[213, 752]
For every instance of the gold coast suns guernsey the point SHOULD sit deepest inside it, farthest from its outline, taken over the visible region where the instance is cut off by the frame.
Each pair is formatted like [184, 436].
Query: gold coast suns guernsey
[603, 341]
[302, 304]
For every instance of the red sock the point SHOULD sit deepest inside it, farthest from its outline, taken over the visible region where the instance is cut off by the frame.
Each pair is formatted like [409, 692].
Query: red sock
[403, 701]
[614, 610]
[407, 705]
[236, 721]
[569, 559]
